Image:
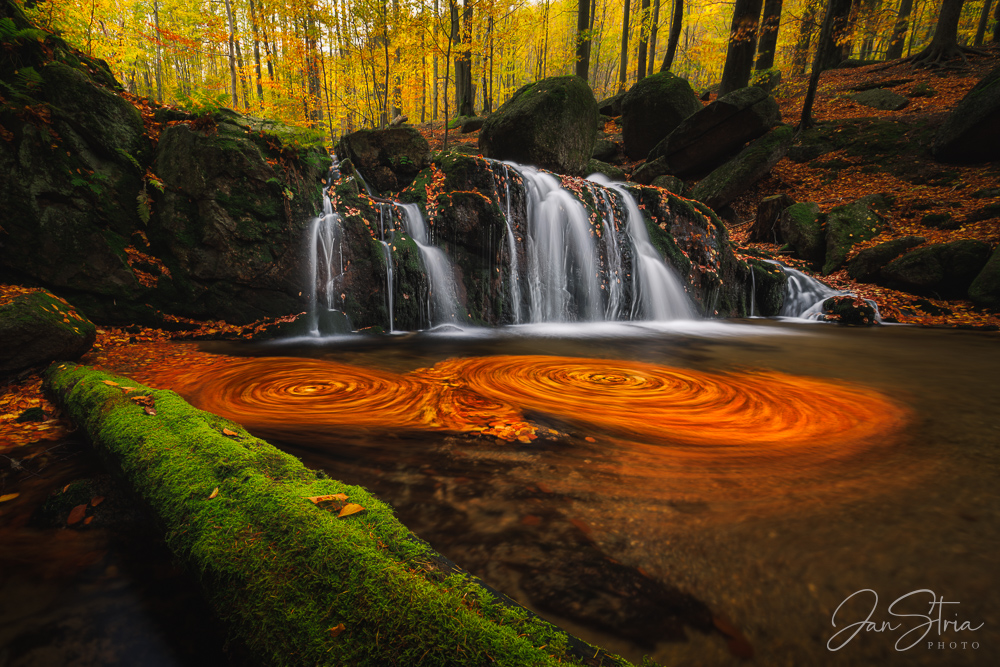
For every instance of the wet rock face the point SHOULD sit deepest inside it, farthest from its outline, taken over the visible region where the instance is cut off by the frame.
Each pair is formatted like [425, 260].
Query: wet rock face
[551, 124]
[652, 108]
[943, 269]
[867, 265]
[37, 328]
[387, 159]
[848, 310]
[985, 289]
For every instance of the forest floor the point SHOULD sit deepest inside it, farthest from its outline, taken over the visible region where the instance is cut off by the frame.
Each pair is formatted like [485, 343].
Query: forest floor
[887, 152]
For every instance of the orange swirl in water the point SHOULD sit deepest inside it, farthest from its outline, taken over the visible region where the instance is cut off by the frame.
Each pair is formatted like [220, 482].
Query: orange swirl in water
[640, 399]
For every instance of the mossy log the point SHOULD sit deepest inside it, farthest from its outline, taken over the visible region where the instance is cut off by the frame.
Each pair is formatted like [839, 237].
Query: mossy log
[294, 583]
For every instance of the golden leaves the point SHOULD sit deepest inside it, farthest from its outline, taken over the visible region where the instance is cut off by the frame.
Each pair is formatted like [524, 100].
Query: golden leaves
[337, 629]
[8, 496]
[349, 509]
[76, 515]
[336, 499]
[214, 493]
[229, 432]
[321, 499]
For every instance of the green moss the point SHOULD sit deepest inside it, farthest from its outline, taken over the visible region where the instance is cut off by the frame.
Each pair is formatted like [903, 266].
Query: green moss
[282, 571]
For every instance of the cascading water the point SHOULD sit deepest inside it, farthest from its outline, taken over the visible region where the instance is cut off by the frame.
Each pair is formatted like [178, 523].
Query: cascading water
[804, 296]
[442, 304]
[514, 275]
[659, 290]
[326, 263]
[390, 284]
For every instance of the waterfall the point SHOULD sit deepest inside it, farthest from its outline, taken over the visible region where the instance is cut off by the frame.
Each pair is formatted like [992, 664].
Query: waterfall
[390, 284]
[326, 264]
[658, 288]
[514, 275]
[442, 304]
[804, 295]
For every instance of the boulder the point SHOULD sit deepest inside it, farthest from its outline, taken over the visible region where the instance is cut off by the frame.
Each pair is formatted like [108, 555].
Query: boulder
[652, 108]
[551, 124]
[769, 284]
[37, 327]
[608, 151]
[985, 289]
[649, 170]
[848, 309]
[765, 226]
[768, 79]
[472, 124]
[849, 224]
[612, 106]
[609, 170]
[802, 228]
[670, 184]
[703, 140]
[387, 159]
[736, 176]
[971, 132]
[866, 267]
[879, 98]
[943, 269]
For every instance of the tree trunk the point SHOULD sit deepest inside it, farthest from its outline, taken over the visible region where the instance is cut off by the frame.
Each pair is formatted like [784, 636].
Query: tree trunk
[583, 38]
[623, 68]
[464, 92]
[674, 36]
[651, 63]
[825, 38]
[159, 74]
[232, 55]
[801, 54]
[768, 34]
[944, 47]
[256, 52]
[900, 30]
[832, 51]
[742, 46]
[434, 91]
[996, 24]
[984, 17]
[640, 67]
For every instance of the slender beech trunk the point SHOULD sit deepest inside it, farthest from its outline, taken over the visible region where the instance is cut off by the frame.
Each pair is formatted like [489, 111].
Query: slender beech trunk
[232, 55]
[640, 66]
[651, 61]
[984, 17]
[768, 34]
[674, 36]
[159, 72]
[623, 68]
[583, 38]
[742, 46]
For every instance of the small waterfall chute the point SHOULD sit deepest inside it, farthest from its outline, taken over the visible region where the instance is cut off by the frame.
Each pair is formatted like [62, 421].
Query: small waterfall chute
[804, 296]
[442, 303]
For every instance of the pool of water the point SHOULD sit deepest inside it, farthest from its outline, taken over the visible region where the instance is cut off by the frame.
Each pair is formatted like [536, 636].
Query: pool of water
[695, 493]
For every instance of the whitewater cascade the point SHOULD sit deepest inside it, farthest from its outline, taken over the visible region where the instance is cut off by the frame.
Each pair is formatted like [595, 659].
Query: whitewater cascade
[804, 295]
[326, 263]
[442, 304]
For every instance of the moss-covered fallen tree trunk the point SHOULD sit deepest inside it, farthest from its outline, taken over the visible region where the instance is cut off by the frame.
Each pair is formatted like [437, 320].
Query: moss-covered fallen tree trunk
[295, 583]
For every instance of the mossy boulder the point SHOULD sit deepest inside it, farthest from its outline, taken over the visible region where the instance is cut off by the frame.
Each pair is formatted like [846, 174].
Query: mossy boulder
[703, 140]
[609, 170]
[971, 132]
[849, 224]
[946, 270]
[38, 327]
[879, 98]
[848, 309]
[751, 164]
[650, 170]
[611, 106]
[985, 289]
[803, 228]
[387, 159]
[866, 266]
[768, 283]
[670, 183]
[652, 108]
[606, 150]
[297, 580]
[232, 219]
[551, 124]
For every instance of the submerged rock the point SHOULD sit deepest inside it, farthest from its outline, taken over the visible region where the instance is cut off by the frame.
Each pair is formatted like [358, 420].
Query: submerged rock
[39, 327]
[652, 108]
[551, 123]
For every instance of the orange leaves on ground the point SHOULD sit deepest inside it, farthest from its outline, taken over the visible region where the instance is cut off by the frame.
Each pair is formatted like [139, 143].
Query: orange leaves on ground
[337, 629]
[349, 509]
[76, 515]
[96, 500]
[111, 383]
[8, 496]
[316, 500]
[214, 493]
[229, 432]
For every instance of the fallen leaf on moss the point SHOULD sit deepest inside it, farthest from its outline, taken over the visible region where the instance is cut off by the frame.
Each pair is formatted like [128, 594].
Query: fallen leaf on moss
[96, 500]
[110, 383]
[127, 389]
[76, 515]
[149, 410]
[229, 432]
[87, 521]
[8, 496]
[349, 509]
[322, 499]
[337, 629]
[214, 493]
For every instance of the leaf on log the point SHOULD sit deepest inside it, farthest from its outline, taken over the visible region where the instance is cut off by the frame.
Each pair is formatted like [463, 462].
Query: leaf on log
[214, 493]
[337, 629]
[96, 500]
[349, 509]
[76, 514]
[110, 383]
[322, 499]
[228, 432]
[8, 496]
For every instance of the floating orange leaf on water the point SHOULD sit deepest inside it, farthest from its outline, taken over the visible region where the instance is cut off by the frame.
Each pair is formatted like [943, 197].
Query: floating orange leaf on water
[337, 629]
[214, 493]
[229, 432]
[322, 499]
[349, 509]
[96, 500]
[590, 439]
[8, 496]
[76, 515]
